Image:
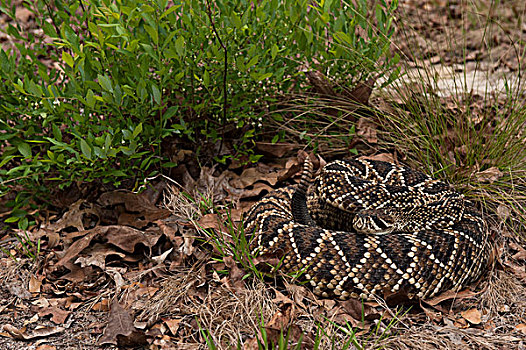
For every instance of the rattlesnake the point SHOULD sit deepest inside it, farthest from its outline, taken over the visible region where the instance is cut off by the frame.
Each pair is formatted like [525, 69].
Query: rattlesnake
[366, 228]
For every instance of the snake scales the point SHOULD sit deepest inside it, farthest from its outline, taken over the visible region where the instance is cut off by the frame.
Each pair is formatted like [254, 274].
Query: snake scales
[365, 228]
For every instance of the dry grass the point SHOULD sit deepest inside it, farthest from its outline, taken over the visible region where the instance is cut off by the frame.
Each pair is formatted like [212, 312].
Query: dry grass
[229, 317]
[208, 300]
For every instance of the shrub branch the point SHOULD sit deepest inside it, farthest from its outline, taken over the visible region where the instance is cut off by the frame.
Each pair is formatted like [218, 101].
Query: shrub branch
[225, 70]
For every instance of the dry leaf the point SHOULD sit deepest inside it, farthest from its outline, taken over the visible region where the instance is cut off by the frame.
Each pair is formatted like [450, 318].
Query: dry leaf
[22, 14]
[298, 293]
[433, 315]
[362, 91]
[124, 237]
[521, 327]
[277, 150]
[384, 157]
[127, 238]
[504, 308]
[96, 256]
[46, 347]
[120, 329]
[139, 210]
[521, 252]
[473, 316]
[77, 274]
[504, 212]
[72, 218]
[461, 323]
[489, 175]
[18, 290]
[489, 326]
[236, 214]
[320, 83]
[281, 298]
[79, 246]
[169, 229]
[34, 284]
[33, 319]
[367, 130]
[281, 322]
[357, 310]
[210, 221]
[58, 315]
[451, 294]
[518, 270]
[173, 324]
[103, 305]
[256, 190]
[161, 258]
[236, 274]
[253, 175]
[40, 332]
[41, 302]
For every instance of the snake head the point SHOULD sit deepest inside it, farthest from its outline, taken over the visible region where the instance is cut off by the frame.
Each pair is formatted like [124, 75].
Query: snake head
[372, 221]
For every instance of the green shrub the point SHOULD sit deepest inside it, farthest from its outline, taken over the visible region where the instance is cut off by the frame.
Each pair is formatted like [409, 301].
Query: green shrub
[129, 73]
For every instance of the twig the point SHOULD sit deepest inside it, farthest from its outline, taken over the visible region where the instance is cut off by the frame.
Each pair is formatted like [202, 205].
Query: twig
[52, 17]
[225, 70]
[84, 12]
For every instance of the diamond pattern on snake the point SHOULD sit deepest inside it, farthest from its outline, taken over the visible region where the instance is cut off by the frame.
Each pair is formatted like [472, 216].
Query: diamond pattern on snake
[367, 228]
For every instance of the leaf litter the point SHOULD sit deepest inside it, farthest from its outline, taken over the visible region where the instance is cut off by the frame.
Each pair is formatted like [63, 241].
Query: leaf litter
[151, 276]
[169, 298]
[144, 276]
[137, 270]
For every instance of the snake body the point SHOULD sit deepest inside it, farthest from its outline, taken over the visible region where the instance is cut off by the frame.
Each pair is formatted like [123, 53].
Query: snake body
[365, 228]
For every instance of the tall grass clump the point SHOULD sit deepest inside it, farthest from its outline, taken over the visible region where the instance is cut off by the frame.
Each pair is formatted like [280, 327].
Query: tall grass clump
[463, 122]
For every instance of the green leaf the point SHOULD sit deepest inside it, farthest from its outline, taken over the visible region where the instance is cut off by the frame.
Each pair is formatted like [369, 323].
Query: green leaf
[49, 30]
[118, 173]
[342, 37]
[72, 38]
[4, 62]
[34, 89]
[24, 149]
[168, 40]
[236, 20]
[170, 112]
[179, 46]
[137, 130]
[23, 224]
[66, 57]
[153, 34]
[206, 78]
[170, 10]
[156, 94]
[105, 82]
[169, 165]
[260, 77]
[85, 148]
[240, 64]
[6, 160]
[57, 134]
[20, 86]
[11, 219]
[274, 51]
[253, 61]
[90, 99]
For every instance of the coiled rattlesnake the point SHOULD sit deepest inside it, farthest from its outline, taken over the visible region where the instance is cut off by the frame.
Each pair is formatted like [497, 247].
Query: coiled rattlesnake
[364, 228]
